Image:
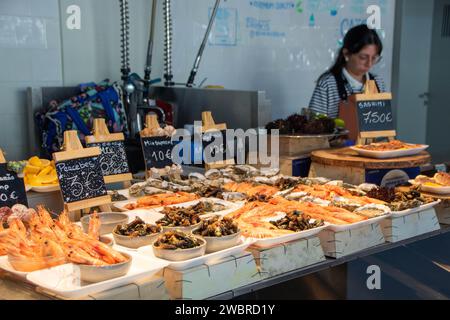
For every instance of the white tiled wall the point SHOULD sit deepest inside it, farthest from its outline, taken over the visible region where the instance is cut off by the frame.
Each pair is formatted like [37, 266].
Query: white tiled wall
[30, 55]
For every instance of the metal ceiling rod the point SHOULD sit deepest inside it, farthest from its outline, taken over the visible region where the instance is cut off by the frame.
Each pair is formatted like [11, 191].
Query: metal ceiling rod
[148, 65]
[168, 76]
[125, 40]
[194, 70]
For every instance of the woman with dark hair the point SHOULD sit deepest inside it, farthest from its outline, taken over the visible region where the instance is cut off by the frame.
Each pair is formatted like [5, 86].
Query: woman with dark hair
[361, 51]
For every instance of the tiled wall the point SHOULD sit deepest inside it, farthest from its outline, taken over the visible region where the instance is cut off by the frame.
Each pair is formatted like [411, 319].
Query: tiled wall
[30, 55]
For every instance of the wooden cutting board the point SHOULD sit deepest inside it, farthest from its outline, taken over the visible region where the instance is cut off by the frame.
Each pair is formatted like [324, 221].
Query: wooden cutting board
[346, 157]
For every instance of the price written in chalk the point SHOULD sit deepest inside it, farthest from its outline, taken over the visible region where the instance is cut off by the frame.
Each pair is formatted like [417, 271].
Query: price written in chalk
[157, 152]
[113, 160]
[81, 179]
[215, 146]
[375, 116]
[12, 188]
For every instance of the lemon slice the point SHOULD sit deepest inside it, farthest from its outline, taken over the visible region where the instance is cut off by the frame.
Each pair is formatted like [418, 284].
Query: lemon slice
[45, 163]
[35, 161]
[30, 169]
[45, 171]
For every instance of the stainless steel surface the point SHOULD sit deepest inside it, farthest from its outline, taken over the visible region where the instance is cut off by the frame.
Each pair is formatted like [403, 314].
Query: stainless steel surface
[168, 43]
[237, 108]
[102, 273]
[214, 244]
[181, 254]
[134, 242]
[198, 58]
[108, 220]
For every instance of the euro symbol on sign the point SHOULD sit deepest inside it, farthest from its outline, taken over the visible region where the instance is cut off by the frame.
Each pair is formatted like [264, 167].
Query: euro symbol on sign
[374, 280]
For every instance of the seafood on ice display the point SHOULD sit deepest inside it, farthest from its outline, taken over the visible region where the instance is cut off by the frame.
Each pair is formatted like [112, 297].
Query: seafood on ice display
[160, 200]
[217, 227]
[42, 242]
[137, 228]
[177, 240]
[389, 146]
[201, 208]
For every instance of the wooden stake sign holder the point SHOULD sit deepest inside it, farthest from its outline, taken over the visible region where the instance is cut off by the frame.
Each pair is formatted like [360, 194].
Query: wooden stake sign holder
[287, 257]
[343, 243]
[152, 124]
[73, 149]
[396, 229]
[102, 134]
[348, 112]
[208, 124]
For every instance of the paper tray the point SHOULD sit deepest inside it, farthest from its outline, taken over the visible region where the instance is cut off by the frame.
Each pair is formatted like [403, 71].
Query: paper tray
[64, 280]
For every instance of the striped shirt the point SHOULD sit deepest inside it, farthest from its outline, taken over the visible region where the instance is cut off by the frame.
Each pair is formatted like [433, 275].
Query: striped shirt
[326, 99]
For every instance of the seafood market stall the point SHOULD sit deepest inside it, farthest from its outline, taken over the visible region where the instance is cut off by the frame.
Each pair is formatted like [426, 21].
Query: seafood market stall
[178, 237]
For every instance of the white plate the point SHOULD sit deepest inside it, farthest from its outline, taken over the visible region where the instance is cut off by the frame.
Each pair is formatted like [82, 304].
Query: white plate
[270, 242]
[398, 214]
[6, 266]
[389, 154]
[230, 206]
[346, 227]
[205, 259]
[148, 216]
[435, 190]
[120, 205]
[64, 280]
[44, 189]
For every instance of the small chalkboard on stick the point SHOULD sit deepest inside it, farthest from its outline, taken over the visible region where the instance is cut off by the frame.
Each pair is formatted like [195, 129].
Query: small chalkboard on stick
[12, 188]
[113, 159]
[214, 143]
[369, 115]
[80, 175]
[157, 150]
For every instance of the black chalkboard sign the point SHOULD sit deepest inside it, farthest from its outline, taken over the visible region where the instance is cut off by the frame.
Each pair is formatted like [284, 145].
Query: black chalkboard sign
[12, 188]
[81, 179]
[157, 152]
[375, 115]
[113, 160]
[212, 148]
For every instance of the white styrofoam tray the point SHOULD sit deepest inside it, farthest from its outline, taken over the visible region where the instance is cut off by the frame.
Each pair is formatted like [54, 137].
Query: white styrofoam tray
[270, 242]
[399, 214]
[65, 280]
[368, 222]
